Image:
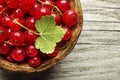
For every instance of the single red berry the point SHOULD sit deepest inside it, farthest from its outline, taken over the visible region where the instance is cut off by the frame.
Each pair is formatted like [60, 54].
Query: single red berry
[63, 5]
[9, 58]
[43, 56]
[43, 11]
[6, 21]
[68, 33]
[61, 44]
[70, 17]
[12, 16]
[30, 37]
[8, 10]
[33, 10]
[30, 23]
[13, 3]
[31, 51]
[0, 17]
[14, 26]
[2, 34]
[35, 61]
[57, 18]
[27, 4]
[48, 4]
[18, 13]
[8, 32]
[17, 38]
[18, 54]
[5, 48]
[2, 7]
[2, 1]
[54, 54]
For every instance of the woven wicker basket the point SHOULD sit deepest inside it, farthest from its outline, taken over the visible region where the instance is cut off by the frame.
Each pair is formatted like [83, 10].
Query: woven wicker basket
[75, 4]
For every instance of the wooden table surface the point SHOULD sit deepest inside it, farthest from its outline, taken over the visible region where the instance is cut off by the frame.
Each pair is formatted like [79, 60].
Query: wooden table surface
[97, 53]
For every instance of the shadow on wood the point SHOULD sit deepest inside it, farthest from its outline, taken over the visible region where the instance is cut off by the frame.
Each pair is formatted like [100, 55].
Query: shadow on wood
[10, 75]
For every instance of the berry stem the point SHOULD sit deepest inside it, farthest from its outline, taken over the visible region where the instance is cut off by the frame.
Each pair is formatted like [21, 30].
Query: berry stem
[8, 42]
[52, 5]
[58, 10]
[2, 10]
[5, 14]
[15, 20]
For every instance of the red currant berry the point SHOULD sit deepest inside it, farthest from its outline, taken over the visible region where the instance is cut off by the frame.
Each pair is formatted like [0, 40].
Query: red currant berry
[1, 7]
[17, 38]
[6, 21]
[27, 4]
[61, 44]
[63, 5]
[54, 54]
[33, 10]
[8, 11]
[68, 33]
[30, 23]
[9, 58]
[48, 4]
[2, 34]
[43, 56]
[70, 17]
[31, 51]
[0, 17]
[14, 26]
[30, 37]
[43, 11]
[57, 18]
[35, 61]
[18, 13]
[8, 32]
[12, 3]
[5, 48]
[2, 1]
[18, 54]
[12, 16]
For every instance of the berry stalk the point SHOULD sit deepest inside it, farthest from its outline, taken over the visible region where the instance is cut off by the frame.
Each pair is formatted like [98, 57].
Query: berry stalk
[8, 42]
[52, 5]
[15, 20]
[3, 10]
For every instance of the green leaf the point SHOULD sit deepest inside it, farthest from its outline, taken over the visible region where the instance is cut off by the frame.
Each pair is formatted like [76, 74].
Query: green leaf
[50, 34]
[44, 23]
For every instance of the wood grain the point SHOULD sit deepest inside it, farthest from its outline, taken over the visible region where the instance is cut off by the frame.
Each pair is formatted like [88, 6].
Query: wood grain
[97, 53]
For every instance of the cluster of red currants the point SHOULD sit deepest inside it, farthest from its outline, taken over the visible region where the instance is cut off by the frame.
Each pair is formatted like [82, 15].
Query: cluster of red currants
[17, 43]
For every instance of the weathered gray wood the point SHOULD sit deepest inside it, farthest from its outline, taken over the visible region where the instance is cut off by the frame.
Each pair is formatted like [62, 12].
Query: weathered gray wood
[101, 26]
[96, 37]
[97, 53]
